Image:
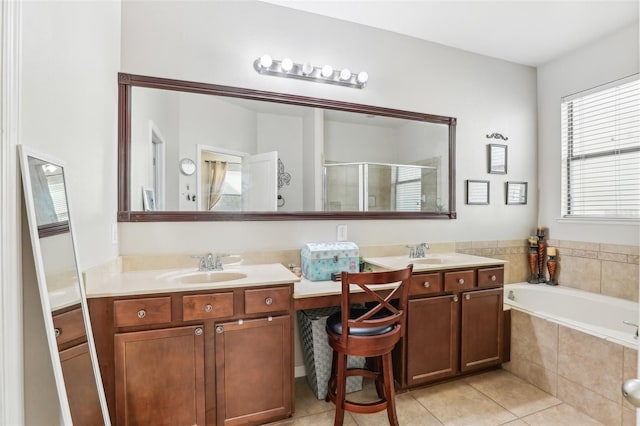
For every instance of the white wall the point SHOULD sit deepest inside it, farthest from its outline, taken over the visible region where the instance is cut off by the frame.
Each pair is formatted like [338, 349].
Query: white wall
[70, 53]
[605, 60]
[217, 42]
[70, 60]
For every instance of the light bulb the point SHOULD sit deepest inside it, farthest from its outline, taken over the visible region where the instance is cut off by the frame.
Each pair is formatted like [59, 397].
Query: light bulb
[327, 71]
[307, 68]
[363, 77]
[265, 61]
[345, 74]
[286, 64]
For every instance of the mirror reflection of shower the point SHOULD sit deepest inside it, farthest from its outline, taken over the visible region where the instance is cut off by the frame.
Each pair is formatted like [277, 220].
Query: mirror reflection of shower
[381, 187]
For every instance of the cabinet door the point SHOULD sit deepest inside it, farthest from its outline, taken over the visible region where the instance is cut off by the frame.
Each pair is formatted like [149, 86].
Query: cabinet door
[432, 339]
[253, 370]
[80, 384]
[481, 343]
[159, 376]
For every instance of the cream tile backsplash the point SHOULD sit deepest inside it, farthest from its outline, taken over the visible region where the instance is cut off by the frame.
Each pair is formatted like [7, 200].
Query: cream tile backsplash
[609, 269]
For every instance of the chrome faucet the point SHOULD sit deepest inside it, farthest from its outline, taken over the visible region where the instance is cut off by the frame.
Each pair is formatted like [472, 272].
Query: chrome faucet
[417, 251]
[633, 324]
[210, 262]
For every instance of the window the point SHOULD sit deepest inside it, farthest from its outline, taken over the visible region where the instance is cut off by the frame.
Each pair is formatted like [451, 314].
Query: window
[408, 189]
[601, 152]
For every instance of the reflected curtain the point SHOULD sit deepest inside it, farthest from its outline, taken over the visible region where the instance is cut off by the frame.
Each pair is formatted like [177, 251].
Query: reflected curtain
[217, 174]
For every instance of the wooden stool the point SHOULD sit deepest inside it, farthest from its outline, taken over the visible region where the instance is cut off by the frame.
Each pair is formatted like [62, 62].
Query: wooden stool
[369, 332]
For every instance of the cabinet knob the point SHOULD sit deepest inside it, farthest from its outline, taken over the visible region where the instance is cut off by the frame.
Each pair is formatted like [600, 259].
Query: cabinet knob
[426, 284]
[208, 307]
[455, 298]
[58, 331]
[141, 313]
[467, 296]
[493, 278]
[268, 301]
[219, 329]
[198, 331]
[460, 281]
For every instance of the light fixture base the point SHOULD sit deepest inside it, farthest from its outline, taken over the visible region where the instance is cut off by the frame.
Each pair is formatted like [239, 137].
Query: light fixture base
[308, 72]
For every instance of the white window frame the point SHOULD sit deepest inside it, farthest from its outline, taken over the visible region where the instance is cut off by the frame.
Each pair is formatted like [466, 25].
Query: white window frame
[567, 132]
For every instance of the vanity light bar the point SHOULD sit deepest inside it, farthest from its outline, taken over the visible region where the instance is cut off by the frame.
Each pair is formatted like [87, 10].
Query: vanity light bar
[325, 74]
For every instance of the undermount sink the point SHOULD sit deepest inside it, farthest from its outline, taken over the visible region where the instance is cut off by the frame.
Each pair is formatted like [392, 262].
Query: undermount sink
[211, 277]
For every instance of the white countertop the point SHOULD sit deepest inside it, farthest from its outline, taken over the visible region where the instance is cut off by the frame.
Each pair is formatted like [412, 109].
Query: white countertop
[306, 288]
[434, 262]
[168, 280]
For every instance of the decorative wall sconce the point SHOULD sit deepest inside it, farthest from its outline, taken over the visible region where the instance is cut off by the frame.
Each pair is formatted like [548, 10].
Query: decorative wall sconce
[326, 74]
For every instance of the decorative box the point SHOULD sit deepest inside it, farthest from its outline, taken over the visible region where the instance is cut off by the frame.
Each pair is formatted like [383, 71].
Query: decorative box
[319, 260]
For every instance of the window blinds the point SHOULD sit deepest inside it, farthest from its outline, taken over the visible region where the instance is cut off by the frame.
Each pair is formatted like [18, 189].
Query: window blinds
[408, 189]
[601, 152]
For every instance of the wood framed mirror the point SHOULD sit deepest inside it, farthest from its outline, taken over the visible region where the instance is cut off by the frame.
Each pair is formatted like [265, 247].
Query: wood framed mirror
[336, 156]
[62, 295]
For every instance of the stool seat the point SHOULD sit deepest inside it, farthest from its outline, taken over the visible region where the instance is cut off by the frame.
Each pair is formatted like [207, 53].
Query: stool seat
[334, 324]
[372, 332]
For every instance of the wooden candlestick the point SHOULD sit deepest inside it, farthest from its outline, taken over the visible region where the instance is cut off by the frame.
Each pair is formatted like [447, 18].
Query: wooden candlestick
[541, 256]
[533, 264]
[552, 264]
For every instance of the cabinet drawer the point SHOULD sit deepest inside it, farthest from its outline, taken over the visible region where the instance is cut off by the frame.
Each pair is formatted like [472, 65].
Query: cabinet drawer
[459, 280]
[69, 326]
[151, 310]
[490, 277]
[267, 300]
[205, 306]
[425, 284]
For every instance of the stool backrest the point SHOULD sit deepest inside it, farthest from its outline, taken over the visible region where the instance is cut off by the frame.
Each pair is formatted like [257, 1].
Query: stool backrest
[383, 312]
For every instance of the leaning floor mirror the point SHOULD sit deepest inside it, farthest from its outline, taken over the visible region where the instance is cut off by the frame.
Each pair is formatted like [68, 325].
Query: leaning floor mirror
[62, 295]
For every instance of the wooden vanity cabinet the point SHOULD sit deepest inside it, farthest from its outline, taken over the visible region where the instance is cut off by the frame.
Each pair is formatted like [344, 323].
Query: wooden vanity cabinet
[77, 369]
[210, 357]
[254, 360]
[454, 325]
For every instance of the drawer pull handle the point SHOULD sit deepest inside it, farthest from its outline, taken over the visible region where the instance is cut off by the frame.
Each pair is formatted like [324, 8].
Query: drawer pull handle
[141, 313]
[198, 331]
[58, 331]
[460, 281]
[268, 301]
[208, 307]
[467, 296]
[426, 284]
[493, 278]
[219, 329]
[455, 298]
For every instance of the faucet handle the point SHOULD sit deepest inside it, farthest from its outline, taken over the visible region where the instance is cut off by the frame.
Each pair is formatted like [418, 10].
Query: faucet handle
[202, 264]
[218, 260]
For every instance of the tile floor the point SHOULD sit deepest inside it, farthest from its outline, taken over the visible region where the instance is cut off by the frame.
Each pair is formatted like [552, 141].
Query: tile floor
[493, 398]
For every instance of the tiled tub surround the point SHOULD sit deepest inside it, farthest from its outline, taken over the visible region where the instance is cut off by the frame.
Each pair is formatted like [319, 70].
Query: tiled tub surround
[577, 368]
[513, 251]
[598, 268]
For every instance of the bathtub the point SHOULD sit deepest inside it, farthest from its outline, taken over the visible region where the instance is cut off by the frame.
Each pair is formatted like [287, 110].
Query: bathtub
[595, 314]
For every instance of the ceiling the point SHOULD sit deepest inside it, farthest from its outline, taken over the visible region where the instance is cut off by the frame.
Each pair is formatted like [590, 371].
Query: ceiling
[522, 31]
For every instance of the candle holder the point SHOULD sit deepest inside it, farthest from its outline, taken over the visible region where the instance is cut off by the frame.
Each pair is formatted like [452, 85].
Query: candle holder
[541, 255]
[533, 264]
[552, 264]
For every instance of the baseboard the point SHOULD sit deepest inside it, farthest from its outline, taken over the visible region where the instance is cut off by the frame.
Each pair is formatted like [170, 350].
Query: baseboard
[300, 371]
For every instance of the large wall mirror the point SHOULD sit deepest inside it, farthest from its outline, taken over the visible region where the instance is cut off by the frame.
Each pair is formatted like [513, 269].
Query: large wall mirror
[62, 295]
[194, 151]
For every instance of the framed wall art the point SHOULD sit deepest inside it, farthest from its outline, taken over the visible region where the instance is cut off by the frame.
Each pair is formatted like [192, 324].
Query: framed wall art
[477, 192]
[516, 192]
[497, 158]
